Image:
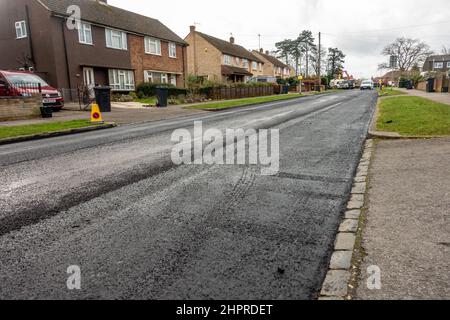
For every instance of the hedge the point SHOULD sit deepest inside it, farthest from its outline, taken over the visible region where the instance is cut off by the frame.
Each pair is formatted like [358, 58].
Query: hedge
[149, 90]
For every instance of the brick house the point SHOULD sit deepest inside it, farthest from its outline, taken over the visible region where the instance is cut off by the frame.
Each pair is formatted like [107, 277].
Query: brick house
[439, 63]
[110, 46]
[272, 67]
[222, 61]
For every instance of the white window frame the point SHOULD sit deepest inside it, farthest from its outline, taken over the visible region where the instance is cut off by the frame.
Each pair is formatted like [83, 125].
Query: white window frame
[173, 79]
[156, 43]
[115, 80]
[149, 77]
[21, 29]
[227, 60]
[439, 65]
[83, 30]
[172, 50]
[245, 63]
[117, 34]
[255, 66]
[448, 64]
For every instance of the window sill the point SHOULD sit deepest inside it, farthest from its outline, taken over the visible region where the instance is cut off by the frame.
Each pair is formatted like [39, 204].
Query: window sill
[153, 54]
[22, 38]
[86, 44]
[116, 48]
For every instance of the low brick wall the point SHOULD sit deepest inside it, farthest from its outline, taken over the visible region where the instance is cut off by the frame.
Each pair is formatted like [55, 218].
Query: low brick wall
[12, 108]
[422, 86]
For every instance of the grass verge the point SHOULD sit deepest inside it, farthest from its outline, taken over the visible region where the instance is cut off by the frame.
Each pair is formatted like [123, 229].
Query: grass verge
[388, 92]
[413, 116]
[220, 105]
[26, 130]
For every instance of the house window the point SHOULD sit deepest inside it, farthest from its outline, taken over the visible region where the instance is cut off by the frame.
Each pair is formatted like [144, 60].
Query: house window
[439, 65]
[227, 60]
[85, 33]
[172, 50]
[255, 65]
[448, 65]
[121, 80]
[173, 79]
[21, 29]
[116, 39]
[245, 62]
[153, 46]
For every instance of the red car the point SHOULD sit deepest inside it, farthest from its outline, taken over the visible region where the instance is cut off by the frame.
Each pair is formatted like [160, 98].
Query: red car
[26, 84]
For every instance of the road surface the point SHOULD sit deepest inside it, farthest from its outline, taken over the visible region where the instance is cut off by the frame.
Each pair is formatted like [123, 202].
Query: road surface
[139, 227]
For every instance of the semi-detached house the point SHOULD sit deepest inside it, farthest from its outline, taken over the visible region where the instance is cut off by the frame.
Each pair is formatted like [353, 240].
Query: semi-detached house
[218, 60]
[110, 46]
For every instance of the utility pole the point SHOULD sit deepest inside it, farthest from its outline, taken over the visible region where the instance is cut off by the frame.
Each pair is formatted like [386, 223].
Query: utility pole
[320, 61]
[259, 40]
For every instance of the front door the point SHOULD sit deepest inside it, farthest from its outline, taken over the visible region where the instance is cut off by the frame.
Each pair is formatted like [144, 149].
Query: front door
[89, 81]
[88, 77]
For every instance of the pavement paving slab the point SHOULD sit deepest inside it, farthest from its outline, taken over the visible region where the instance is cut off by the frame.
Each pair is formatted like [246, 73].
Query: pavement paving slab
[407, 233]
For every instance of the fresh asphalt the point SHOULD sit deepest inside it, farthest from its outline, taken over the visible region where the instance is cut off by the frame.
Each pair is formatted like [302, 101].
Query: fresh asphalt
[139, 227]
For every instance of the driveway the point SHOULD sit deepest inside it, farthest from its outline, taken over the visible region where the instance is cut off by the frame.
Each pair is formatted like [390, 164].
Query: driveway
[122, 113]
[434, 96]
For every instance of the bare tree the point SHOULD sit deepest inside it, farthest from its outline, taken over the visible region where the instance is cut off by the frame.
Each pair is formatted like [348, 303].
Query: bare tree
[445, 50]
[409, 52]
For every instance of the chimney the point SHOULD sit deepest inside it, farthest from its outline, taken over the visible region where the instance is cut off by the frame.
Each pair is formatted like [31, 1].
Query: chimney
[192, 29]
[261, 50]
[267, 52]
[232, 39]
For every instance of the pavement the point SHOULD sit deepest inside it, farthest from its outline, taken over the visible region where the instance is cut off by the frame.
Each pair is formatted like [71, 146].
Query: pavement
[122, 113]
[139, 227]
[407, 232]
[434, 96]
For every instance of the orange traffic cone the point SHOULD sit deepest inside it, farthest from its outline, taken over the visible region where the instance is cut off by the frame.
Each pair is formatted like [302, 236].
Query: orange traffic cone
[96, 115]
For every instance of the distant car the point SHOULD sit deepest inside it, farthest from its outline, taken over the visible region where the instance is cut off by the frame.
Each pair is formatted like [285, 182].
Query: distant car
[367, 85]
[25, 84]
[343, 84]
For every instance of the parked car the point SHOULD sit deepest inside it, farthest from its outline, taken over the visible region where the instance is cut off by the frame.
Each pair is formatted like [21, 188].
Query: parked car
[367, 85]
[26, 84]
[263, 79]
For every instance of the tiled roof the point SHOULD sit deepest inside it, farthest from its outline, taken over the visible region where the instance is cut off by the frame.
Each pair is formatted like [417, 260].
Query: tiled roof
[96, 12]
[229, 48]
[427, 66]
[229, 70]
[271, 59]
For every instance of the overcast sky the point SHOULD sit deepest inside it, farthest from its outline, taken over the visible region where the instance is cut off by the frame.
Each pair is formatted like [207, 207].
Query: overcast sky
[360, 28]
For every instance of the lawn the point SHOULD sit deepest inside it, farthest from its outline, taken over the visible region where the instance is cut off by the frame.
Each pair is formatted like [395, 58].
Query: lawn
[414, 116]
[389, 92]
[220, 105]
[16, 131]
[148, 101]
